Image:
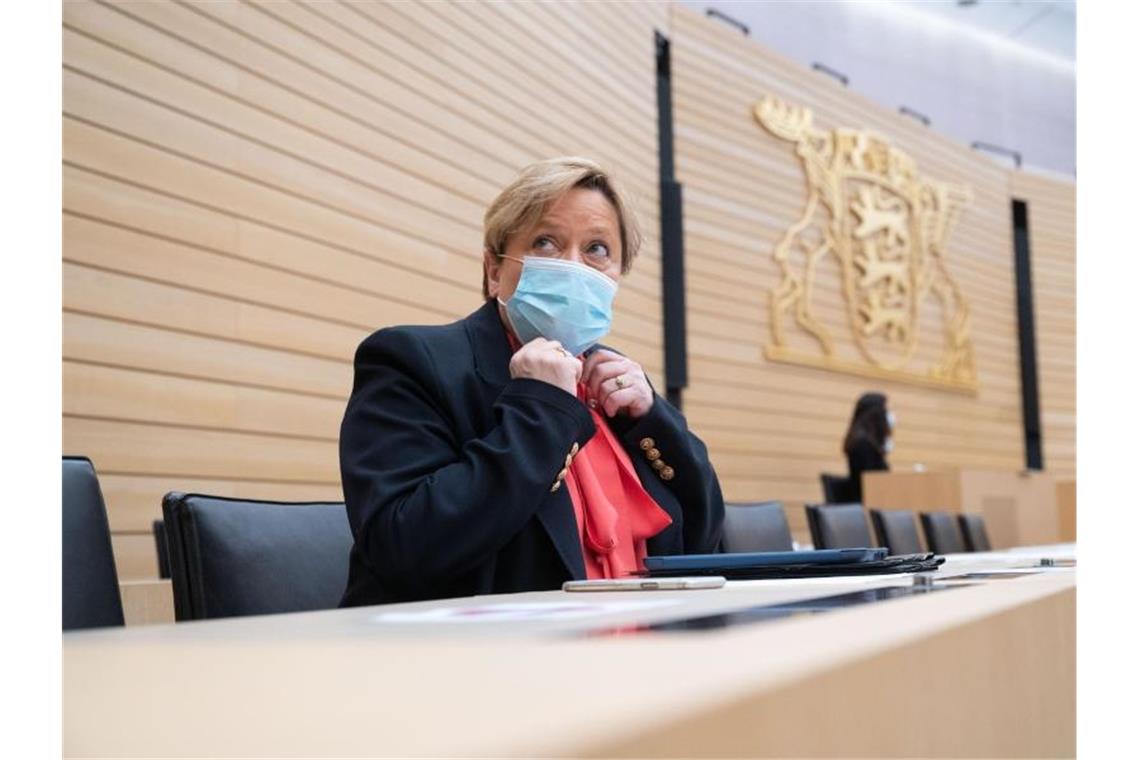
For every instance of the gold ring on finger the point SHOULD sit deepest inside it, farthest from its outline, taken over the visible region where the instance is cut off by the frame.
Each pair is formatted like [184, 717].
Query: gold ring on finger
[620, 381]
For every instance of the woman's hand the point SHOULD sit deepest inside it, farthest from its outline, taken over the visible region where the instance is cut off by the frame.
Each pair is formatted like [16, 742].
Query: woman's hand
[616, 383]
[548, 361]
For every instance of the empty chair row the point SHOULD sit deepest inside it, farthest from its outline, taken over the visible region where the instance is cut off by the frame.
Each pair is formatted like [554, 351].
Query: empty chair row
[895, 528]
[225, 557]
[845, 525]
[763, 526]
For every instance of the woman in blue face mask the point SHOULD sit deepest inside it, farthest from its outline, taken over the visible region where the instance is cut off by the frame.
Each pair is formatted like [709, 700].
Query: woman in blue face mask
[511, 450]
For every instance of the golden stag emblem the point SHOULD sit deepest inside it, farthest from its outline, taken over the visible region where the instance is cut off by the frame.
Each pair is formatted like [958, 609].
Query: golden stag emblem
[887, 227]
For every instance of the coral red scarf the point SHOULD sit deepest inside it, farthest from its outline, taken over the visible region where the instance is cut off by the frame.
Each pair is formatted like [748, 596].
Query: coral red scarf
[615, 513]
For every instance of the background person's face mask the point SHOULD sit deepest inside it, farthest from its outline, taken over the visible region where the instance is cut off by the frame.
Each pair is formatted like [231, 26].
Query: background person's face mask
[561, 300]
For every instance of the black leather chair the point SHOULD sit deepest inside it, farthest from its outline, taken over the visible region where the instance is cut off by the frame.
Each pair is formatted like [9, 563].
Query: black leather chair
[896, 530]
[974, 532]
[942, 534]
[232, 557]
[837, 489]
[90, 583]
[756, 527]
[838, 526]
[158, 528]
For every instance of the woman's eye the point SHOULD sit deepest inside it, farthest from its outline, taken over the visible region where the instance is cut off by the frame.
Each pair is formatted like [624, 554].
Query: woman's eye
[599, 250]
[544, 244]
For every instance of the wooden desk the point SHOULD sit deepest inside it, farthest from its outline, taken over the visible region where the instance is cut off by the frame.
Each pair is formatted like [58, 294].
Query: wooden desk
[1020, 508]
[984, 670]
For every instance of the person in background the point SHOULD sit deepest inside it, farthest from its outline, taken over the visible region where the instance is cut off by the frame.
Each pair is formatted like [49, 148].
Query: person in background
[868, 439]
[510, 451]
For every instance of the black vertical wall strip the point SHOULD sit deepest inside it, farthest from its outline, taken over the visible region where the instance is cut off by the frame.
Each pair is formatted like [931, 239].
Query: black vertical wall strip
[672, 236]
[1030, 407]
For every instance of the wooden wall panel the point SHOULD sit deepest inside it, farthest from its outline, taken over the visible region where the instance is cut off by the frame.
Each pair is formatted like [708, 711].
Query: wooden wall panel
[1052, 255]
[135, 555]
[773, 427]
[250, 189]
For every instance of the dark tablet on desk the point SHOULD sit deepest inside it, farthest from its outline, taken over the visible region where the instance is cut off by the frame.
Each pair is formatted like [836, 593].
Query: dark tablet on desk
[761, 559]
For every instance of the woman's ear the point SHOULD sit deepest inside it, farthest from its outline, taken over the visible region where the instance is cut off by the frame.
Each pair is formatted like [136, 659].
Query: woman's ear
[491, 267]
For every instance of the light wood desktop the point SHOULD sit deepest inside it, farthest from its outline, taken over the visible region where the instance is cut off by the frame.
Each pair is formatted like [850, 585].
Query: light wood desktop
[981, 670]
[1020, 508]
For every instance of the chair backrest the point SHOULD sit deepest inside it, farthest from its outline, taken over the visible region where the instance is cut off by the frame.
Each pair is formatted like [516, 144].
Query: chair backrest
[942, 533]
[90, 583]
[837, 489]
[838, 526]
[231, 557]
[974, 533]
[896, 529]
[756, 527]
[158, 528]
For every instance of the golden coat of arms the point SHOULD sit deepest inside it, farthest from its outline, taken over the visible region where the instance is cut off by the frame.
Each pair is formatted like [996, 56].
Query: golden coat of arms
[886, 227]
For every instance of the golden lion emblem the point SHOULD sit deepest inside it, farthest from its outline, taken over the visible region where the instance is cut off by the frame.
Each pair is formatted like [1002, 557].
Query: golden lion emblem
[886, 227]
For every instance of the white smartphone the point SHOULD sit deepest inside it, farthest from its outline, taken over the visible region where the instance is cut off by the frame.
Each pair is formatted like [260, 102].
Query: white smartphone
[645, 584]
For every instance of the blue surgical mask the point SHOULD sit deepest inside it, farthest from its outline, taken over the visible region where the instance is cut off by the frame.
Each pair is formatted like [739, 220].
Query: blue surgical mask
[563, 301]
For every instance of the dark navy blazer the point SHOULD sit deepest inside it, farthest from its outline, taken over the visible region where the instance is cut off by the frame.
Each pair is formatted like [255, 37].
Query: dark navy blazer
[447, 465]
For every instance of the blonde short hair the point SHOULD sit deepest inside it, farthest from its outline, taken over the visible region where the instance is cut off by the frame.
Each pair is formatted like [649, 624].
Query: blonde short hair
[522, 203]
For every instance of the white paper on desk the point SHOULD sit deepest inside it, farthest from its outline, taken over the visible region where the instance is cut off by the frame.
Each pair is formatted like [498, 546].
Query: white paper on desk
[513, 611]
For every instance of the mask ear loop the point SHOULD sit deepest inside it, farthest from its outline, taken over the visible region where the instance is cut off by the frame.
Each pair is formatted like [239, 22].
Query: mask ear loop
[512, 258]
[506, 310]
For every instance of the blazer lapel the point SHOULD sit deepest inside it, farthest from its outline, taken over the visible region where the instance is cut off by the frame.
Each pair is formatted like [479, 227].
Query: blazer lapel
[489, 346]
[492, 355]
[556, 514]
